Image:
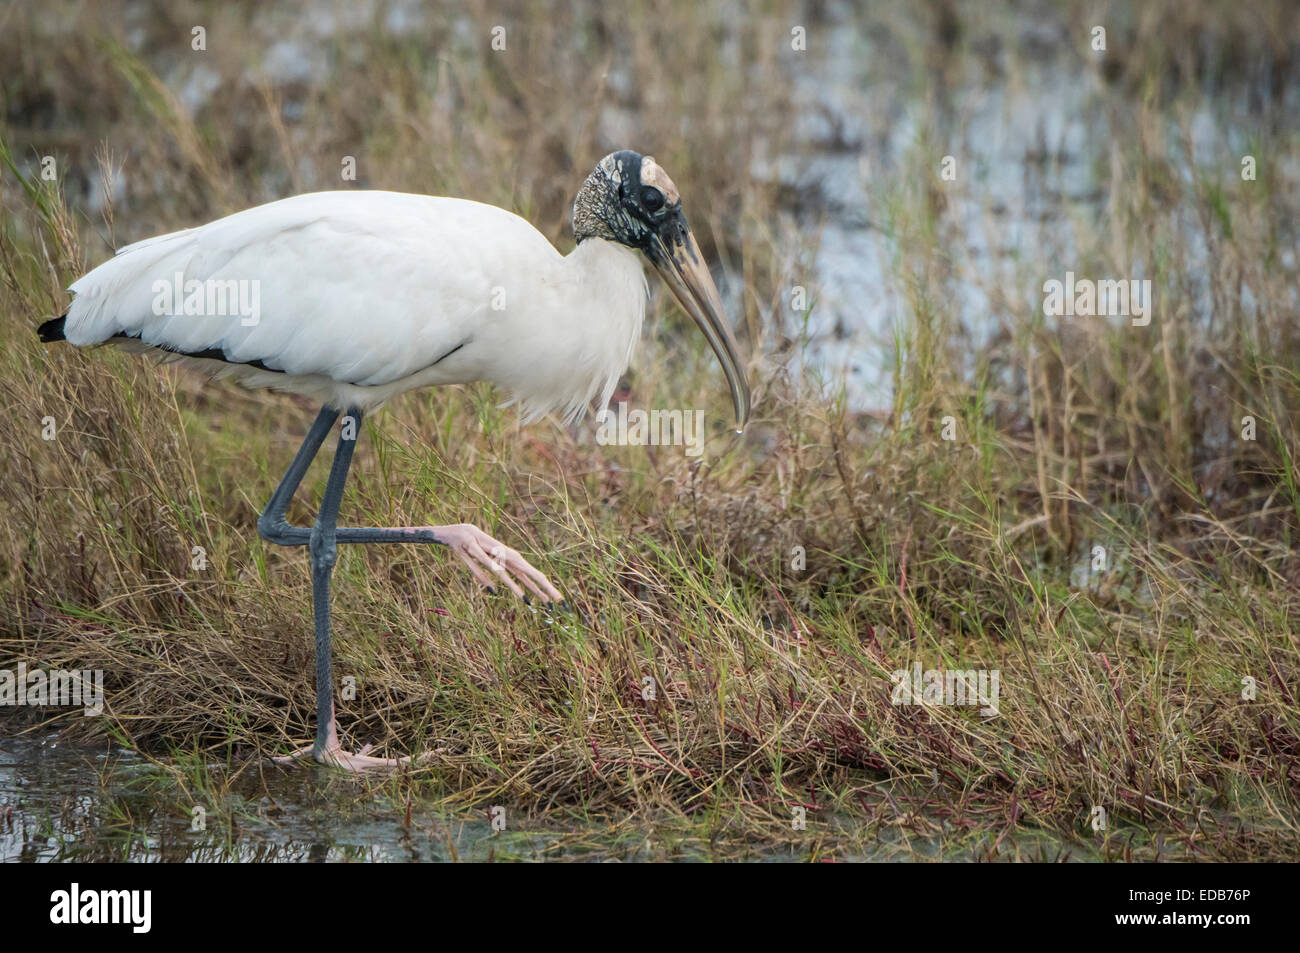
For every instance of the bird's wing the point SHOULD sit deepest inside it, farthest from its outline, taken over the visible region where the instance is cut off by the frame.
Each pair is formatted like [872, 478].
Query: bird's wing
[362, 287]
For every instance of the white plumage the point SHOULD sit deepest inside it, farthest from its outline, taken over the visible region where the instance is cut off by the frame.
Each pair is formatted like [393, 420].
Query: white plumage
[364, 295]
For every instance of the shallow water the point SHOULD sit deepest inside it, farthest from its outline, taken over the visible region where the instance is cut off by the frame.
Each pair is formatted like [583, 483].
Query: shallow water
[64, 802]
[68, 802]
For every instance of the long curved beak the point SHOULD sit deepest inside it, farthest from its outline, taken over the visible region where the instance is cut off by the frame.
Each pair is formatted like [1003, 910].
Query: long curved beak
[684, 270]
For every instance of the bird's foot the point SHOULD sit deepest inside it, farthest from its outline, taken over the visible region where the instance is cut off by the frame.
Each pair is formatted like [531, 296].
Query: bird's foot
[480, 552]
[358, 762]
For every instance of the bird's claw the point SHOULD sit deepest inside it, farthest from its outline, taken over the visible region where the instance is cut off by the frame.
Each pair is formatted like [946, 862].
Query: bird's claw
[359, 761]
[483, 554]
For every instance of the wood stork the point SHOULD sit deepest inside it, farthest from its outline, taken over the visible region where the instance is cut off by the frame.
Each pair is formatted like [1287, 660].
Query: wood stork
[359, 296]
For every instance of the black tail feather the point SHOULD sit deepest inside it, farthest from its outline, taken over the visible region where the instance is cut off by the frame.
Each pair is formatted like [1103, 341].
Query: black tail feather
[52, 330]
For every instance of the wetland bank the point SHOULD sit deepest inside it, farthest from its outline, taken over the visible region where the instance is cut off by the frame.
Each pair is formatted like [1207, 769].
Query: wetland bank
[721, 688]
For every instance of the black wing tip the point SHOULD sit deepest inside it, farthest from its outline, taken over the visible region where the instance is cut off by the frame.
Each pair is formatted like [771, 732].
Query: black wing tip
[52, 331]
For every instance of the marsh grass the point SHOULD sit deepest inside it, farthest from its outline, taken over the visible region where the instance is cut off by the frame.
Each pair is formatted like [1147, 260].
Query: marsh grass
[1120, 689]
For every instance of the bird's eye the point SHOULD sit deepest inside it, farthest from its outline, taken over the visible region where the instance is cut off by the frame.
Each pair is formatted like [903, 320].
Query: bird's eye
[652, 198]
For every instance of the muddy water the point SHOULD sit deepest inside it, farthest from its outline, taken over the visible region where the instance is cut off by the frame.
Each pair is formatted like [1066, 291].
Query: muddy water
[1035, 135]
[62, 802]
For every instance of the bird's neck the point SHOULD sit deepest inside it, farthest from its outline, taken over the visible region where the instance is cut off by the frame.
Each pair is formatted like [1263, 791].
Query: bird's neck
[614, 285]
[612, 295]
[596, 324]
[597, 258]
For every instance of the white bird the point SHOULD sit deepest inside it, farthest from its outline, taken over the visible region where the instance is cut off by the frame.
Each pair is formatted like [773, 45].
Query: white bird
[355, 297]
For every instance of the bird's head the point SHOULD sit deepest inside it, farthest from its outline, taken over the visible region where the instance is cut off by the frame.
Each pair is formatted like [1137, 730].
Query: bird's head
[630, 199]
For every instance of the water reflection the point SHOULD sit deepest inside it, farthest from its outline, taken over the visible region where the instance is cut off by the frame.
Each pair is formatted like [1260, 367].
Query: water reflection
[63, 802]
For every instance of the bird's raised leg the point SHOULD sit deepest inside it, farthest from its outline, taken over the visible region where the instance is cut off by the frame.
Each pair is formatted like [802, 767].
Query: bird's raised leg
[272, 525]
[478, 550]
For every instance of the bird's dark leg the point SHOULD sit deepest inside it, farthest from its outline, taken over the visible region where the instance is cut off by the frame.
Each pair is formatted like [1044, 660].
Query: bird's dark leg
[324, 553]
[272, 524]
[321, 541]
[478, 550]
